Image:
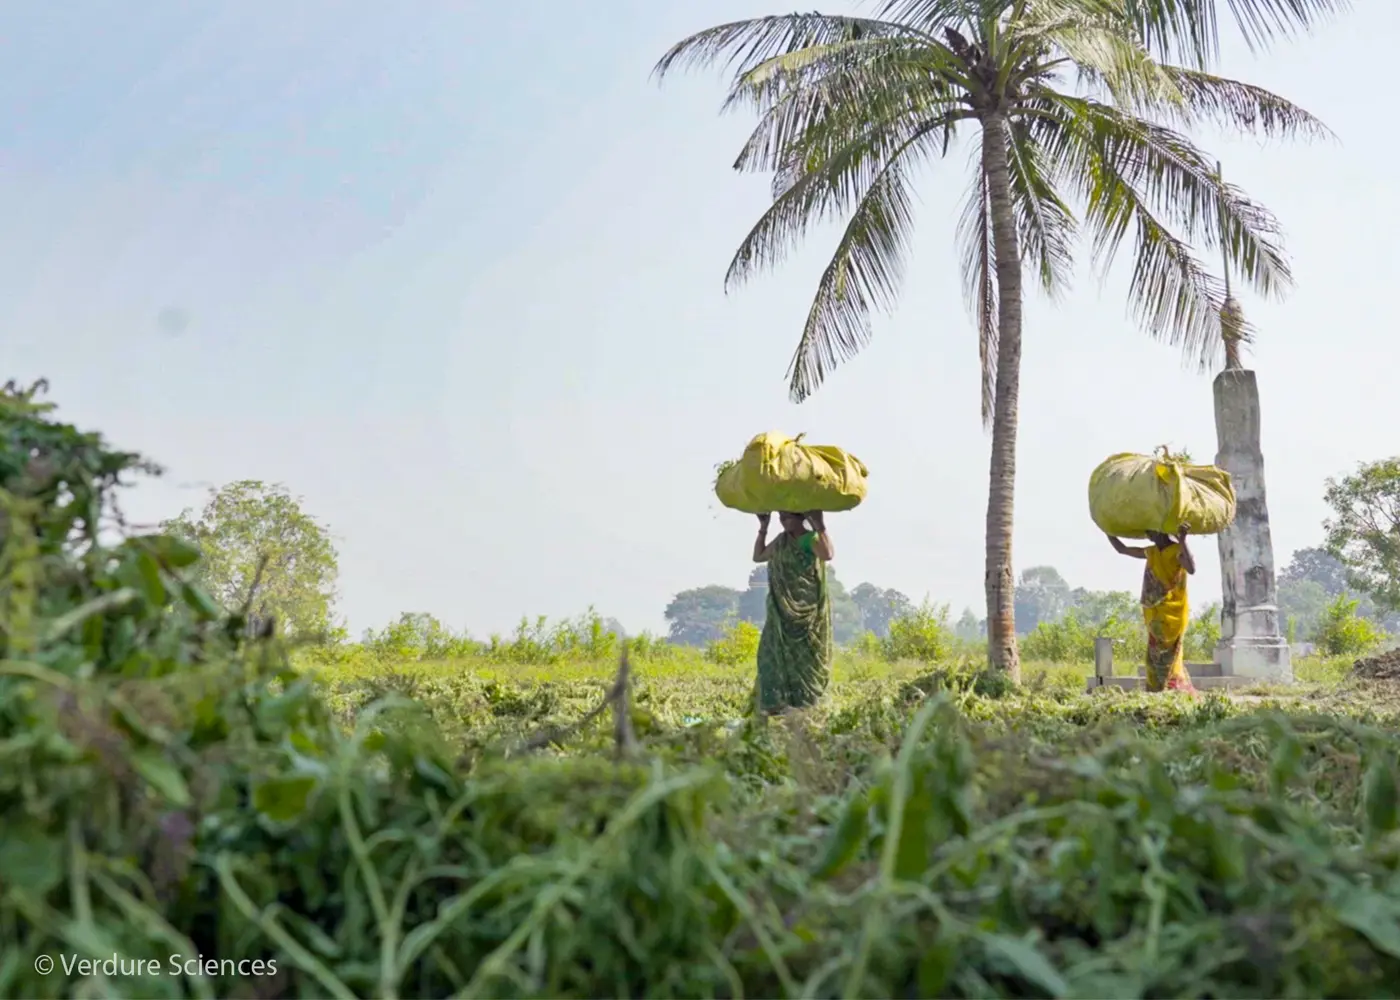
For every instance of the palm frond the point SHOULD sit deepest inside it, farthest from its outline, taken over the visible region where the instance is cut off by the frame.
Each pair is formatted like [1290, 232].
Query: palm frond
[1168, 172]
[979, 283]
[1124, 169]
[742, 45]
[827, 183]
[838, 136]
[1101, 43]
[1241, 106]
[1177, 30]
[933, 15]
[839, 96]
[769, 81]
[1046, 224]
[864, 274]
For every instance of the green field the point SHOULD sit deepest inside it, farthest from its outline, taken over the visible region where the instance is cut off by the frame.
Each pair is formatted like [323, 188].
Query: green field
[187, 810]
[396, 827]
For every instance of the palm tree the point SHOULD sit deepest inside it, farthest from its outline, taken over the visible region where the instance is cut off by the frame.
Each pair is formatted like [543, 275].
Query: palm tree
[1076, 106]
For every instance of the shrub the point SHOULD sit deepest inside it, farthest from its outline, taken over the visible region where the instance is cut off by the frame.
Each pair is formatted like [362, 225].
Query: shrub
[738, 645]
[1203, 634]
[1071, 640]
[1342, 632]
[866, 644]
[1068, 640]
[417, 637]
[923, 634]
[541, 642]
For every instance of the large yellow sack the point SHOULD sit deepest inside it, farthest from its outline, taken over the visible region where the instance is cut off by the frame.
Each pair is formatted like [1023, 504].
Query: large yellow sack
[1130, 495]
[777, 472]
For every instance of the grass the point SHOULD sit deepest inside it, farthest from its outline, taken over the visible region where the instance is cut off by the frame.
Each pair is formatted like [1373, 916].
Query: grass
[449, 829]
[685, 685]
[914, 836]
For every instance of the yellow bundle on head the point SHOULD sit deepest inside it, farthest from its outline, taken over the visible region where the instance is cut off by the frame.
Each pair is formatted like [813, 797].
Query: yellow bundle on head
[777, 472]
[1130, 495]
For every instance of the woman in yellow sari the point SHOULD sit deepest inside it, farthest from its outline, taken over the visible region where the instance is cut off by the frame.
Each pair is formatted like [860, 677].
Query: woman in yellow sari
[1164, 607]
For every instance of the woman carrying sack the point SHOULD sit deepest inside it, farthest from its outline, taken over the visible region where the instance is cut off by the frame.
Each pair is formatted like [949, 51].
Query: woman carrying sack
[1164, 607]
[795, 649]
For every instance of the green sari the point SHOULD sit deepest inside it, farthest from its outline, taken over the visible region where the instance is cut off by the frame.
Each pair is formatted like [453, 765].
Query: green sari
[795, 650]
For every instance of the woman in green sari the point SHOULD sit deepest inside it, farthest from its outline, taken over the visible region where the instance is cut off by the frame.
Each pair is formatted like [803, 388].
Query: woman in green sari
[794, 653]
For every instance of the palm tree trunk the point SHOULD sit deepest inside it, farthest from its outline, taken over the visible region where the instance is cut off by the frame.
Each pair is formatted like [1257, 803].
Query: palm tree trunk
[1000, 581]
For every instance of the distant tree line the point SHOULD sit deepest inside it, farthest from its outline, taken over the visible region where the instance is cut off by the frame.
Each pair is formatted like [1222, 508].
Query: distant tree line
[1311, 583]
[699, 616]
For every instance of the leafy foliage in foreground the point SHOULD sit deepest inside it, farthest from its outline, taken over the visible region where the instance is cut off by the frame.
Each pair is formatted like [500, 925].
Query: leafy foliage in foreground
[170, 788]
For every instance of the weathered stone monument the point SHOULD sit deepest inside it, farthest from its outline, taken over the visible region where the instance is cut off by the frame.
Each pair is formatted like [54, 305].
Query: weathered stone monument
[1251, 644]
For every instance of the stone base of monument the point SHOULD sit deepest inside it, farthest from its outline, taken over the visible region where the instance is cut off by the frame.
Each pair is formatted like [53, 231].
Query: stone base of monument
[1262, 659]
[1204, 676]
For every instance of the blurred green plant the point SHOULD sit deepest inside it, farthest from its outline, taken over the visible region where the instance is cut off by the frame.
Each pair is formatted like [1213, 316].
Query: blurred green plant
[1342, 632]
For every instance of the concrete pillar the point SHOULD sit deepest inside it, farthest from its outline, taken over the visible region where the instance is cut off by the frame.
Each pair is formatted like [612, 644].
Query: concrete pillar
[1103, 656]
[1251, 643]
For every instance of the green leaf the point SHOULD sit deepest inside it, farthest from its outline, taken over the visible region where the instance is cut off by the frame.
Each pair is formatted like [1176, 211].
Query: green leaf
[306, 929]
[30, 858]
[1382, 810]
[1228, 856]
[174, 552]
[284, 799]
[1287, 762]
[1027, 960]
[97, 606]
[936, 967]
[432, 772]
[200, 602]
[89, 939]
[846, 840]
[911, 856]
[1373, 916]
[162, 775]
[152, 586]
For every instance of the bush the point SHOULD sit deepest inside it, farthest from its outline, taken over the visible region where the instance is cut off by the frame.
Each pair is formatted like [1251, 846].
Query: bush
[1203, 634]
[1342, 632]
[653, 647]
[541, 642]
[1068, 640]
[417, 637]
[867, 645]
[738, 646]
[1071, 640]
[923, 634]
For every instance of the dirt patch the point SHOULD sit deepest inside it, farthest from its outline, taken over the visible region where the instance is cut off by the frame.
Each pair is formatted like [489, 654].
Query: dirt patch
[1382, 667]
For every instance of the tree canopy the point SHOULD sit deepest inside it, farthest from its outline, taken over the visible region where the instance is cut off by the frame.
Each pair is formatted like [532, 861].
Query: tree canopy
[1364, 529]
[250, 531]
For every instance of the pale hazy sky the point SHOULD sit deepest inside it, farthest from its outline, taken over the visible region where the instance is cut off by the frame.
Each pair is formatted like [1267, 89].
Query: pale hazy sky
[452, 271]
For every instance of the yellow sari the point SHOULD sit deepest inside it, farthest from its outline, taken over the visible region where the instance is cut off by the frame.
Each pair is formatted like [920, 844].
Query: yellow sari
[1165, 610]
